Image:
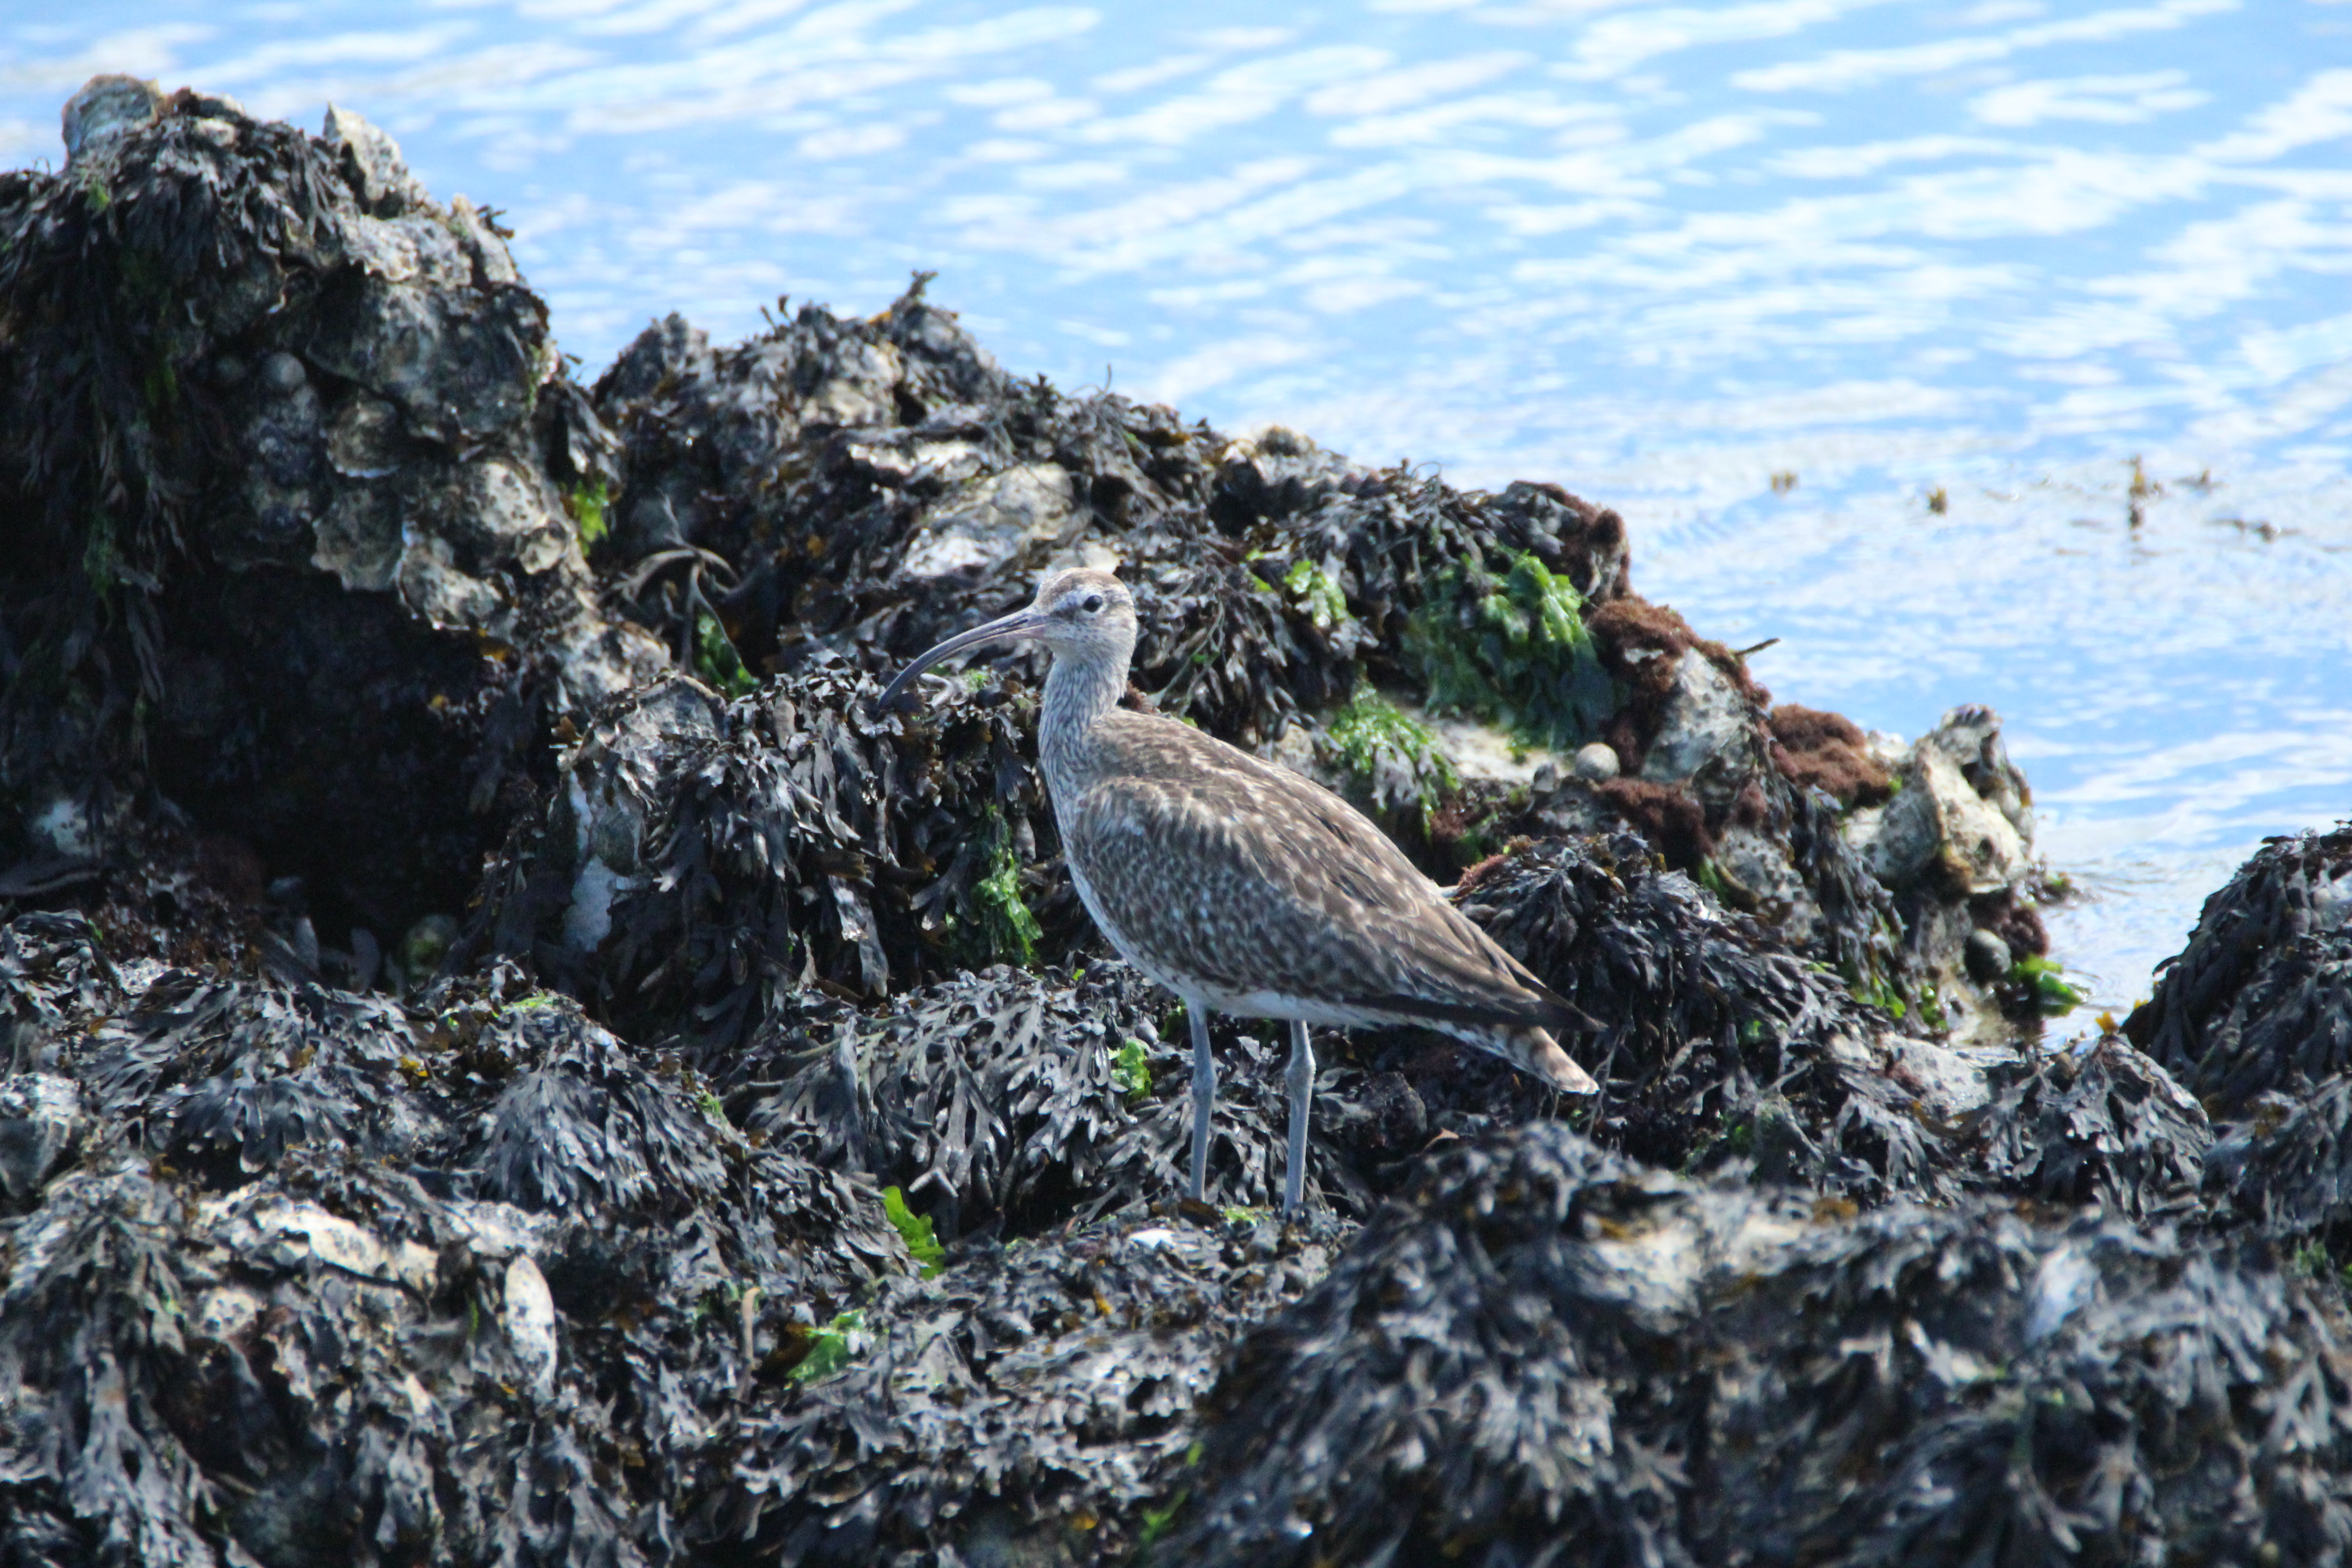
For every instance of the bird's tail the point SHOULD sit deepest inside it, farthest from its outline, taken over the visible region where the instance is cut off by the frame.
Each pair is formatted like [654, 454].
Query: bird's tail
[1536, 1052]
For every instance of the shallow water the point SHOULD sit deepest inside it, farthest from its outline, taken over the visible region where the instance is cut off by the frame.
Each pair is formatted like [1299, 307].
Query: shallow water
[1661, 254]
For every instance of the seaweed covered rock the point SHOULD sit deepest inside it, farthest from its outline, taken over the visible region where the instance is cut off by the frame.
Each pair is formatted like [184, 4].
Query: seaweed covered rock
[279, 537]
[294, 1276]
[2101, 1124]
[1954, 844]
[1034, 1405]
[1005, 1099]
[705, 858]
[2255, 1015]
[1716, 1040]
[1019, 1103]
[867, 488]
[2286, 1169]
[2261, 999]
[769, 1166]
[1549, 1351]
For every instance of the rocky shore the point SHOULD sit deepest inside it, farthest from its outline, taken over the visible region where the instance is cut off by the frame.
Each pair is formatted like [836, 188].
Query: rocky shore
[505, 1057]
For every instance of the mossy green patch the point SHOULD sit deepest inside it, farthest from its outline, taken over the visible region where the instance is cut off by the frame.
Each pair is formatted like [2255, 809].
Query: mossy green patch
[832, 1347]
[1395, 758]
[1315, 588]
[590, 507]
[1131, 1073]
[1007, 928]
[916, 1231]
[1876, 992]
[715, 659]
[1513, 648]
[1155, 1520]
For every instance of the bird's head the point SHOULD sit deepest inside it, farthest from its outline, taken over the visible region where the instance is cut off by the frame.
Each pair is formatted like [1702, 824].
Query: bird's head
[1085, 614]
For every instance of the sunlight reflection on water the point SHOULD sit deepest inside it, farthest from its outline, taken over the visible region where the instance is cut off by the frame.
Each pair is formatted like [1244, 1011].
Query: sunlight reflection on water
[1656, 253]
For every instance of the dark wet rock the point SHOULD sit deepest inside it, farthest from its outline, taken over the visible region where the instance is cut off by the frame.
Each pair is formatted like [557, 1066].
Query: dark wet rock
[1988, 957]
[106, 108]
[1547, 1345]
[2261, 999]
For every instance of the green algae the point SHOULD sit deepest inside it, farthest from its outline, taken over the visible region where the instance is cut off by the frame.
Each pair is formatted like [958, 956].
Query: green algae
[833, 1346]
[916, 1231]
[590, 508]
[1394, 757]
[715, 660]
[1315, 588]
[1131, 1073]
[1007, 928]
[1513, 648]
[2045, 980]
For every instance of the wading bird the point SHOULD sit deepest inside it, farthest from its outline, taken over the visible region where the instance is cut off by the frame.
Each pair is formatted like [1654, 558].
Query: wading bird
[1244, 886]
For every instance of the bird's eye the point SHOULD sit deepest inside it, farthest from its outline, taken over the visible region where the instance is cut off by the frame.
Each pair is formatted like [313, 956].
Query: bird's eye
[1091, 604]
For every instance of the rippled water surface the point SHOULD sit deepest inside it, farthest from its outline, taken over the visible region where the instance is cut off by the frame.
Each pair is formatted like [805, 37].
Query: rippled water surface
[1990, 253]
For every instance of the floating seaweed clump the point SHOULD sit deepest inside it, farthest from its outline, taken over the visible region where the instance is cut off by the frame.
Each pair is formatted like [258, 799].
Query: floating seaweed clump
[1547, 1346]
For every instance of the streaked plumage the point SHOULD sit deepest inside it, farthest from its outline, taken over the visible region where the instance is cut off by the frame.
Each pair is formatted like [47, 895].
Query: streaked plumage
[1245, 887]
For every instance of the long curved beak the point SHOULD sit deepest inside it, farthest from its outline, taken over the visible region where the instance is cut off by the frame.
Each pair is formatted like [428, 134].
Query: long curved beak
[1022, 623]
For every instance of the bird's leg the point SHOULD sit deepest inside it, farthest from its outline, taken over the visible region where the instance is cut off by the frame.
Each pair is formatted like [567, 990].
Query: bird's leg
[1205, 1094]
[1300, 1082]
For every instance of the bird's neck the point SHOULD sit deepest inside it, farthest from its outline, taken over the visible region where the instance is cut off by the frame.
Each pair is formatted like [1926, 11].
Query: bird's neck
[1078, 694]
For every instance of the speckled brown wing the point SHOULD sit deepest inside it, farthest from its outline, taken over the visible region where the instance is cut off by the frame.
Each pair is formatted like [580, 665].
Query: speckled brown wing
[1207, 863]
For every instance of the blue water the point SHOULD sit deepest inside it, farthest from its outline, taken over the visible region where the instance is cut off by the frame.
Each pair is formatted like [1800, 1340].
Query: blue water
[1660, 254]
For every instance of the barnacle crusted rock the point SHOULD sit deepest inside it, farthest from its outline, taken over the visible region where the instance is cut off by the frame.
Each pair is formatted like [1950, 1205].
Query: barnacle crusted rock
[281, 540]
